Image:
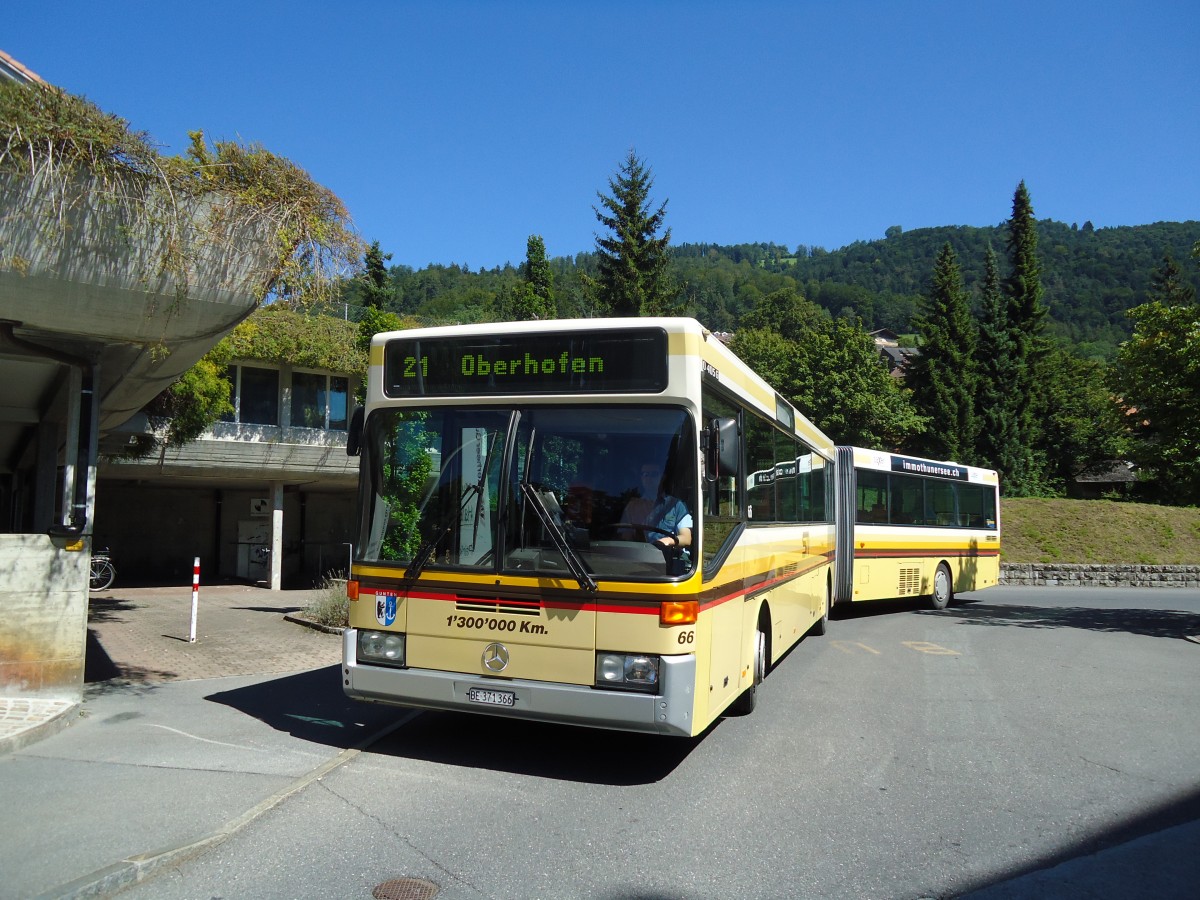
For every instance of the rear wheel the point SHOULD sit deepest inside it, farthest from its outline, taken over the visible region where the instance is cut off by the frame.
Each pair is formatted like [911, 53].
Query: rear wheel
[822, 624]
[748, 699]
[943, 588]
[103, 574]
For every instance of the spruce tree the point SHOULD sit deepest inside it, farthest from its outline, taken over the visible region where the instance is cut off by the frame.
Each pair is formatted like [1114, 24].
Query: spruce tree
[1084, 429]
[942, 376]
[1023, 287]
[376, 290]
[1169, 287]
[632, 260]
[1026, 321]
[996, 444]
[534, 297]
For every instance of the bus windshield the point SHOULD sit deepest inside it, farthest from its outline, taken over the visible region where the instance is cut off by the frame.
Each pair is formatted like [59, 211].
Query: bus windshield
[582, 493]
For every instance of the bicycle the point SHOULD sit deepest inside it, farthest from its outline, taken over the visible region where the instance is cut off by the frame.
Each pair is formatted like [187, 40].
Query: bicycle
[103, 573]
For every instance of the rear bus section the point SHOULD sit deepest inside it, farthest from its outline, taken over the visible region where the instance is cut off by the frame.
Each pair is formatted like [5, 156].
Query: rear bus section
[914, 528]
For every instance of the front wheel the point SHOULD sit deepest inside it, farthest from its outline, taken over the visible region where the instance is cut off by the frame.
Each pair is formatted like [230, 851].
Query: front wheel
[943, 588]
[748, 699]
[103, 574]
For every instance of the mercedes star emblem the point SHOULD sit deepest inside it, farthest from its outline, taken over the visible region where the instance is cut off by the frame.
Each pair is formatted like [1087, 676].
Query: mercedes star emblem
[495, 657]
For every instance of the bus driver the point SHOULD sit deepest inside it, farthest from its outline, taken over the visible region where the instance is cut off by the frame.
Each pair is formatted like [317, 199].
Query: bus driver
[667, 522]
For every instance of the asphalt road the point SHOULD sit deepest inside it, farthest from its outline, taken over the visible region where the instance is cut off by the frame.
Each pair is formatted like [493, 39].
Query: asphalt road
[1027, 742]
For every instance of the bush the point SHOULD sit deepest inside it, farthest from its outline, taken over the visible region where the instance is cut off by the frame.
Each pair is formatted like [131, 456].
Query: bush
[330, 607]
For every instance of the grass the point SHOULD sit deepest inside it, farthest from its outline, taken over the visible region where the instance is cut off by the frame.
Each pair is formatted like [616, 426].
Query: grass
[1098, 531]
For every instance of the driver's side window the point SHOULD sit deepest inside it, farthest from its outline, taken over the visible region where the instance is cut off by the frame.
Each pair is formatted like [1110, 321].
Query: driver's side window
[722, 499]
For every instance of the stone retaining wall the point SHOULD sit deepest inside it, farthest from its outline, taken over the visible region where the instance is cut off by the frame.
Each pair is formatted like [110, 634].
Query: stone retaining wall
[1087, 575]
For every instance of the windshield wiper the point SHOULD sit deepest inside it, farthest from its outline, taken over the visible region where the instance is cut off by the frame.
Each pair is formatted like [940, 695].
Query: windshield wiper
[570, 557]
[444, 527]
[425, 551]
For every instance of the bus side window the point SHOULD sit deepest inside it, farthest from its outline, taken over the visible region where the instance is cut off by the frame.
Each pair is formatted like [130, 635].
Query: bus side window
[908, 500]
[872, 496]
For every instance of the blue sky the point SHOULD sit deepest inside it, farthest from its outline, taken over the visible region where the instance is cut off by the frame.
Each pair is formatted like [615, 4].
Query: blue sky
[454, 130]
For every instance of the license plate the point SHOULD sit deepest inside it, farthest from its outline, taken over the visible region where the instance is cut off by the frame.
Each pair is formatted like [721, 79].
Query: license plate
[492, 698]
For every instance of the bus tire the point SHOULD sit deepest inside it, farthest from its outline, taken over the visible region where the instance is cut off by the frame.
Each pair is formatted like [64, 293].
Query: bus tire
[822, 624]
[748, 699]
[943, 588]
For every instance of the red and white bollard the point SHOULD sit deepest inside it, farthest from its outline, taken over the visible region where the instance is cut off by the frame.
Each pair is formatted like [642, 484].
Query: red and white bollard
[195, 598]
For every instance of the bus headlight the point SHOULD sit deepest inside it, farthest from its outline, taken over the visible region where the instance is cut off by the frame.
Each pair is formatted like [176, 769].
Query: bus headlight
[382, 647]
[633, 671]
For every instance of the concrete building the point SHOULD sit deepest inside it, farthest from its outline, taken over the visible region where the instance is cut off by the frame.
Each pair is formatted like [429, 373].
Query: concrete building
[266, 497]
[111, 287]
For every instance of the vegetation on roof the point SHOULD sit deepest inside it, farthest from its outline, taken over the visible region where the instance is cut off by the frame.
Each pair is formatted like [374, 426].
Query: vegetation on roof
[278, 334]
[203, 205]
[274, 333]
[82, 153]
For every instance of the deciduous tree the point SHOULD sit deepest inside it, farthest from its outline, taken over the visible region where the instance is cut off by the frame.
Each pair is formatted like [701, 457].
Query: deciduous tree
[828, 369]
[1157, 377]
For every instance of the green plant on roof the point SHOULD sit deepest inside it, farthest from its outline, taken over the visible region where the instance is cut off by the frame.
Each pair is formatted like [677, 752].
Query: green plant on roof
[213, 196]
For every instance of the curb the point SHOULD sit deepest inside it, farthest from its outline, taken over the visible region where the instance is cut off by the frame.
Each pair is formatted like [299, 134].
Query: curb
[58, 722]
[315, 626]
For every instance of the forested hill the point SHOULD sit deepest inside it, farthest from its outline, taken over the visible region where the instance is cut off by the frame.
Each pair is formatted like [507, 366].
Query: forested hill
[1091, 276]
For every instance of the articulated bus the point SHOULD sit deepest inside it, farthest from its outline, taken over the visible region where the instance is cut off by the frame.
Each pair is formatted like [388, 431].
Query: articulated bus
[605, 522]
[914, 528]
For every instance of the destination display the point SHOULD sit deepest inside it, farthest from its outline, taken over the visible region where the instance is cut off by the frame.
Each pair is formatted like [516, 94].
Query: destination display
[552, 363]
[928, 467]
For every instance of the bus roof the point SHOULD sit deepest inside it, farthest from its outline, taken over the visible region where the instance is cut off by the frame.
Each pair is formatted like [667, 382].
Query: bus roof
[670, 324]
[883, 461]
[690, 338]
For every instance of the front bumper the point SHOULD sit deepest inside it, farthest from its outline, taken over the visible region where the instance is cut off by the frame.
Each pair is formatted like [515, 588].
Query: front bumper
[668, 712]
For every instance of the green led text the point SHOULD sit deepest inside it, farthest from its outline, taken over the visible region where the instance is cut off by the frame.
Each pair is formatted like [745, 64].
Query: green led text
[477, 366]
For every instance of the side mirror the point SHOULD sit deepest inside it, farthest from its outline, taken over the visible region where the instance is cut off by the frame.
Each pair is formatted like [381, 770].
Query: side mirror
[354, 435]
[722, 452]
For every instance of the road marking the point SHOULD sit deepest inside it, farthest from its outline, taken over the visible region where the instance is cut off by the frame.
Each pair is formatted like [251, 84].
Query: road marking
[931, 649]
[196, 737]
[854, 647]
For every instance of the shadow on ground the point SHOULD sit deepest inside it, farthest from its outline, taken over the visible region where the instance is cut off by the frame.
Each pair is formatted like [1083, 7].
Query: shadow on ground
[1164, 623]
[1181, 811]
[538, 749]
[311, 706]
[100, 669]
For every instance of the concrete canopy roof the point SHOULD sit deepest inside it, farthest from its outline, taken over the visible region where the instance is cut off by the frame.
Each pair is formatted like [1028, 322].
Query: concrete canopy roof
[122, 264]
[87, 282]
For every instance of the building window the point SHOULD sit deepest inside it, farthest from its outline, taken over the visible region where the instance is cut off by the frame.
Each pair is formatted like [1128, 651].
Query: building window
[319, 401]
[254, 394]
